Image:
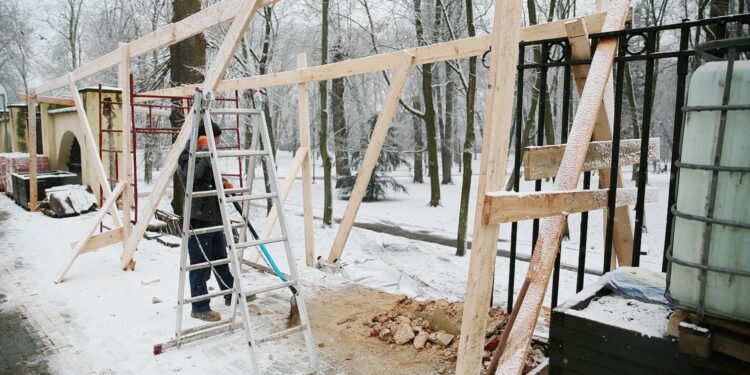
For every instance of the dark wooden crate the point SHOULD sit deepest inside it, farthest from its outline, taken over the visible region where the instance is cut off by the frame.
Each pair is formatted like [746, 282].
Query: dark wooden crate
[45, 180]
[578, 345]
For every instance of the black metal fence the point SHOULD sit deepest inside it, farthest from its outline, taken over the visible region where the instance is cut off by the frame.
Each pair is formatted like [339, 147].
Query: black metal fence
[664, 56]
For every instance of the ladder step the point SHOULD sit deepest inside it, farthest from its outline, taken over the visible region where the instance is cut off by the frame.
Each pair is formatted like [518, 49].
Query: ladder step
[235, 111]
[212, 193]
[247, 197]
[272, 287]
[242, 153]
[241, 245]
[232, 153]
[218, 228]
[281, 334]
[205, 327]
[198, 266]
[208, 296]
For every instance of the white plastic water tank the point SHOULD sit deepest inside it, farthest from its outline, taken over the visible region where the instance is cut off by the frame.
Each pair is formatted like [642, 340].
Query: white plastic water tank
[726, 295]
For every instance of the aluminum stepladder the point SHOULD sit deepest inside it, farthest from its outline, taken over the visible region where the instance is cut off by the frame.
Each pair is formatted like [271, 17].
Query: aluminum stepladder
[201, 110]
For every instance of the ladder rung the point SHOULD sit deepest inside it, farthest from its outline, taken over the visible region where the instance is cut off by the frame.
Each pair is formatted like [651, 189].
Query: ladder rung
[242, 153]
[208, 296]
[269, 288]
[240, 198]
[198, 266]
[241, 245]
[205, 327]
[280, 334]
[234, 111]
[232, 153]
[211, 193]
[217, 228]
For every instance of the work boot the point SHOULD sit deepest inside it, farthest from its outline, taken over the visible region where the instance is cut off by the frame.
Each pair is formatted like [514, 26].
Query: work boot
[208, 316]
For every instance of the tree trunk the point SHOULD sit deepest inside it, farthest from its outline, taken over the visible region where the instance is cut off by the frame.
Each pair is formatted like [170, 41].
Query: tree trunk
[263, 69]
[187, 58]
[327, 189]
[340, 131]
[447, 135]
[429, 114]
[463, 214]
[418, 146]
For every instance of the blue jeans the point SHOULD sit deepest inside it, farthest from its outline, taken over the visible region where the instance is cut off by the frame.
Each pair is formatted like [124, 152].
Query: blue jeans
[215, 247]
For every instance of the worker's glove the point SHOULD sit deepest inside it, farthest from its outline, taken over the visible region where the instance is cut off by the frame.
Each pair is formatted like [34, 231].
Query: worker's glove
[227, 184]
[202, 142]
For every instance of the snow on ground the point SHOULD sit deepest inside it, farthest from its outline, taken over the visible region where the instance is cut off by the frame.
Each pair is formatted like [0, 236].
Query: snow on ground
[103, 320]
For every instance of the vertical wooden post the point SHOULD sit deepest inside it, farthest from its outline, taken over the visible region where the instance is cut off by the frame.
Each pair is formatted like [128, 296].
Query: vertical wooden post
[303, 108]
[580, 46]
[390, 104]
[93, 149]
[31, 131]
[498, 118]
[232, 38]
[126, 168]
[550, 233]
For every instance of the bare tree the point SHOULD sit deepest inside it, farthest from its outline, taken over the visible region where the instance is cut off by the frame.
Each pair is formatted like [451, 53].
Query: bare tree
[327, 188]
[67, 24]
[16, 36]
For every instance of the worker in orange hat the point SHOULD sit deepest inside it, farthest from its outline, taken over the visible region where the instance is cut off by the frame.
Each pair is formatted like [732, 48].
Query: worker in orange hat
[205, 213]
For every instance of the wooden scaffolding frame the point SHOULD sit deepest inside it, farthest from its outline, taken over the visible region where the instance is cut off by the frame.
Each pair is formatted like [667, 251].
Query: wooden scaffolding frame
[595, 93]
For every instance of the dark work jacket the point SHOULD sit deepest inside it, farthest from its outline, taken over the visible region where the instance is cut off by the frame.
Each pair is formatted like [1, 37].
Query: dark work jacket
[206, 208]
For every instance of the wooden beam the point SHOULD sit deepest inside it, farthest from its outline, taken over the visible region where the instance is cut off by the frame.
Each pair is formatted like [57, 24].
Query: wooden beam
[498, 118]
[126, 167]
[90, 141]
[541, 162]
[163, 37]
[503, 207]
[379, 133]
[78, 250]
[622, 233]
[31, 143]
[545, 251]
[456, 49]
[244, 14]
[303, 118]
[100, 240]
[50, 100]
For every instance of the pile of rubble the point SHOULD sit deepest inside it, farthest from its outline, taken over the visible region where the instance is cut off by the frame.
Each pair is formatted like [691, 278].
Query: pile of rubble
[432, 326]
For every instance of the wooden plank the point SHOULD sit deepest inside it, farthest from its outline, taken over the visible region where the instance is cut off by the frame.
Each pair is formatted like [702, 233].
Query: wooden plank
[101, 240]
[126, 167]
[498, 119]
[622, 233]
[244, 14]
[541, 162]
[455, 49]
[286, 187]
[90, 141]
[379, 133]
[31, 142]
[50, 100]
[303, 118]
[78, 250]
[163, 37]
[545, 252]
[503, 207]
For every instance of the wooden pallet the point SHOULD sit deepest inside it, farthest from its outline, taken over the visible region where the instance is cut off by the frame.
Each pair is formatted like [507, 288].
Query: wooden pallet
[704, 337]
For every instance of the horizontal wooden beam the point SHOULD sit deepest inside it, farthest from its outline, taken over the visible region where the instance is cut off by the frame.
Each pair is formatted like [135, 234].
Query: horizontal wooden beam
[101, 240]
[50, 100]
[455, 49]
[543, 161]
[163, 37]
[504, 207]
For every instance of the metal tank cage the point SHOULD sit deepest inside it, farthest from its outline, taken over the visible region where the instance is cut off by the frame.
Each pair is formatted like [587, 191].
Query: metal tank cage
[729, 50]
